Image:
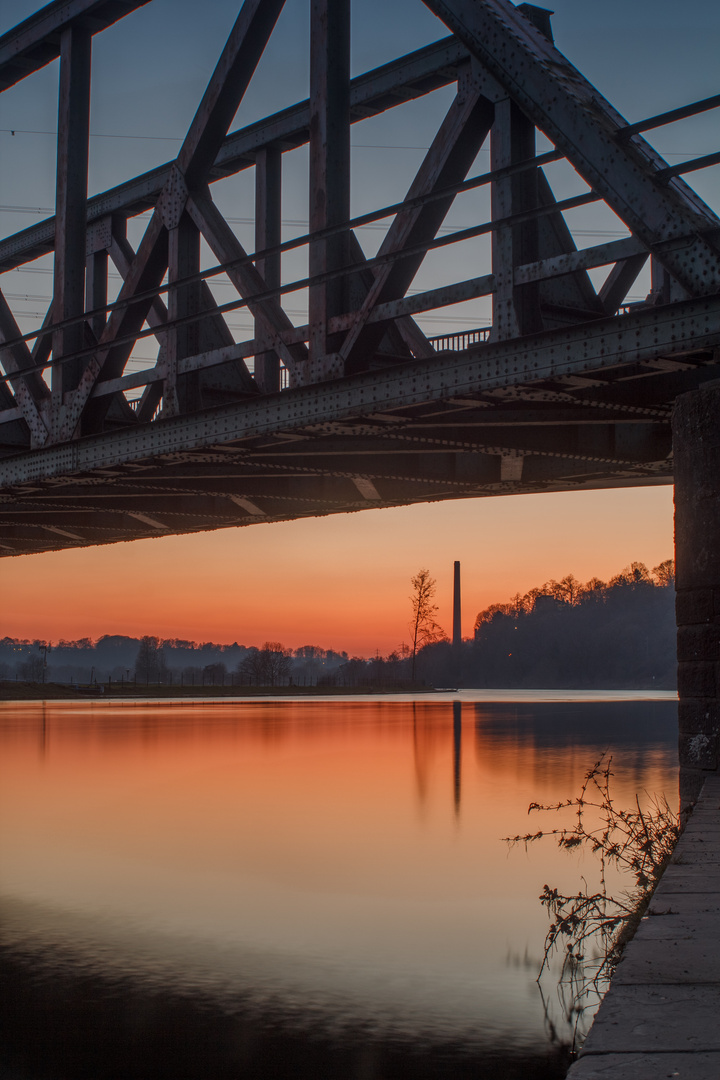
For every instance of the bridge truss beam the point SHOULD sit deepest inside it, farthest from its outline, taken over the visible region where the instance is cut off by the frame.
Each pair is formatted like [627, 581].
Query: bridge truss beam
[356, 406]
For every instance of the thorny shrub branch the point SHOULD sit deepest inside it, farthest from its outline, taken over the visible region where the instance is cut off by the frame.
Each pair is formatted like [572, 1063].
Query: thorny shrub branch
[591, 928]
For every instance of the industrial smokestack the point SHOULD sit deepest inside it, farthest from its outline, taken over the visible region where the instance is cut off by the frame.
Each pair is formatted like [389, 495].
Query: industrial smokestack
[457, 617]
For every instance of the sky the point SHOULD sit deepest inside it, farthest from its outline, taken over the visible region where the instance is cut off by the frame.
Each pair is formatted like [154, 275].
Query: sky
[341, 582]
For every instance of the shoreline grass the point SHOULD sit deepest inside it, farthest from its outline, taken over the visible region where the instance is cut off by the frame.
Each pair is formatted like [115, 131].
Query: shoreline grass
[29, 691]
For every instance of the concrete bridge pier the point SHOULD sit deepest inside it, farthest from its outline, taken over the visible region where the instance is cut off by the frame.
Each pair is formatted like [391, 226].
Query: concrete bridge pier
[696, 450]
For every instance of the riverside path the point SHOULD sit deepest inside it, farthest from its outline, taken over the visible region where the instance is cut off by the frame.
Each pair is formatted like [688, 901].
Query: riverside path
[660, 1017]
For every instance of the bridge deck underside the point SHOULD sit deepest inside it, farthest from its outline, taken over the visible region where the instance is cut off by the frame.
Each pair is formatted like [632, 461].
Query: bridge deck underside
[556, 412]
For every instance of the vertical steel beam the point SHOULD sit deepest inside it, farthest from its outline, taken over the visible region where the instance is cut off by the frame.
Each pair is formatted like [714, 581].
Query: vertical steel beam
[96, 278]
[71, 204]
[99, 238]
[512, 140]
[226, 88]
[664, 289]
[268, 216]
[516, 310]
[183, 300]
[329, 166]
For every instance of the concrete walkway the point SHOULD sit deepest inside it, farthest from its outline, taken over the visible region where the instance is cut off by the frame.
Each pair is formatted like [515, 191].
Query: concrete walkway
[661, 1015]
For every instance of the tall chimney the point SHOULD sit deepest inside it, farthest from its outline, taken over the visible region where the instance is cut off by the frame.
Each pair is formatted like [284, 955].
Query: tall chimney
[457, 619]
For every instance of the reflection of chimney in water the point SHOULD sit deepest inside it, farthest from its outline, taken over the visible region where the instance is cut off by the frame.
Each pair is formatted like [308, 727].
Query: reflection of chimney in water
[457, 752]
[457, 620]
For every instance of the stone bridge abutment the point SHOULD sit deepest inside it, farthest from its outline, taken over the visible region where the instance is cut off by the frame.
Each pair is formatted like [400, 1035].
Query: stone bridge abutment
[696, 450]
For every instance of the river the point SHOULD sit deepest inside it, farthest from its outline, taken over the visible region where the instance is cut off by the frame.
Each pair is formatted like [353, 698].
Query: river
[296, 888]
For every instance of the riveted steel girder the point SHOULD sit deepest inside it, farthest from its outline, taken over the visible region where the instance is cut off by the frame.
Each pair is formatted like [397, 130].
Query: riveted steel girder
[422, 432]
[668, 217]
[35, 42]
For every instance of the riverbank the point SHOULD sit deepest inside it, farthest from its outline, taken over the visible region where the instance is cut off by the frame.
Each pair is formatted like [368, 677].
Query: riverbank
[29, 691]
[659, 1017]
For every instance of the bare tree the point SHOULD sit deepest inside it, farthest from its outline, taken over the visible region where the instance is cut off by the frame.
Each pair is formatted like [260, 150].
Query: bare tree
[33, 668]
[214, 674]
[632, 576]
[146, 662]
[251, 667]
[164, 669]
[567, 590]
[269, 666]
[423, 627]
[277, 661]
[665, 573]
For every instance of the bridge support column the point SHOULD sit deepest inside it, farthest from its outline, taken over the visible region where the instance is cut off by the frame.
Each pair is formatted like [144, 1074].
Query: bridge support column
[71, 206]
[268, 233]
[329, 172]
[696, 449]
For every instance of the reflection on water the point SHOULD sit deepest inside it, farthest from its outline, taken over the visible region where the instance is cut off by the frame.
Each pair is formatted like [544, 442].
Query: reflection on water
[286, 889]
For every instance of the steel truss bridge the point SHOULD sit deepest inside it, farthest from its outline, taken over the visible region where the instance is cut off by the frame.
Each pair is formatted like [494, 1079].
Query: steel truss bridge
[571, 386]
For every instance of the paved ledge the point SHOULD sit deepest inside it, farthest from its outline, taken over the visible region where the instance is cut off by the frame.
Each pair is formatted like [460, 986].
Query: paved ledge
[661, 1015]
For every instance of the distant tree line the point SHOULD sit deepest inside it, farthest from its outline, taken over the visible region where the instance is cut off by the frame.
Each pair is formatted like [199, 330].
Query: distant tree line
[620, 633]
[171, 661]
[564, 634]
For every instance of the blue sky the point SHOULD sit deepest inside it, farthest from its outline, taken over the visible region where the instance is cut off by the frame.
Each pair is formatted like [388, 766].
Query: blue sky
[151, 68]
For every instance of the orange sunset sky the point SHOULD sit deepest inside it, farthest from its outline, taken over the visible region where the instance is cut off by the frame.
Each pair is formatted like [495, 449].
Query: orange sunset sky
[342, 582]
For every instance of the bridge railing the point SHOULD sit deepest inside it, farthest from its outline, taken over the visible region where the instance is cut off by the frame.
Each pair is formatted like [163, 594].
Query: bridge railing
[460, 341]
[457, 342]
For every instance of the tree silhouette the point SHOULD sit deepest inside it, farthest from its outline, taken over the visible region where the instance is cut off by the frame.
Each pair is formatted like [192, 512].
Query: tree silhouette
[423, 628]
[665, 573]
[564, 633]
[269, 666]
[147, 663]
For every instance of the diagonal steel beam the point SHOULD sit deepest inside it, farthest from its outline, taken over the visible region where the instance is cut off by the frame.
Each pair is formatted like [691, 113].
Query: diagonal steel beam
[18, 357]
[220, 102]
[451, 154]
[42, 346]
[404, 336]
[555, 239]
[145, 274]
[123, 255]
[35, 42]
[373, 92]
[226, 88]
[620, 280]
[245, 277]
[30, 391]
[670, 219]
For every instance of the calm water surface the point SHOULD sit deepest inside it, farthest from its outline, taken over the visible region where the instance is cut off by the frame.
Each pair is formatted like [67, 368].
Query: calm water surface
[297, 888]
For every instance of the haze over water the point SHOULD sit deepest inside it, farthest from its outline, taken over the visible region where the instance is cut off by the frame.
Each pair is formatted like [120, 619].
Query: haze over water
[295, 888]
